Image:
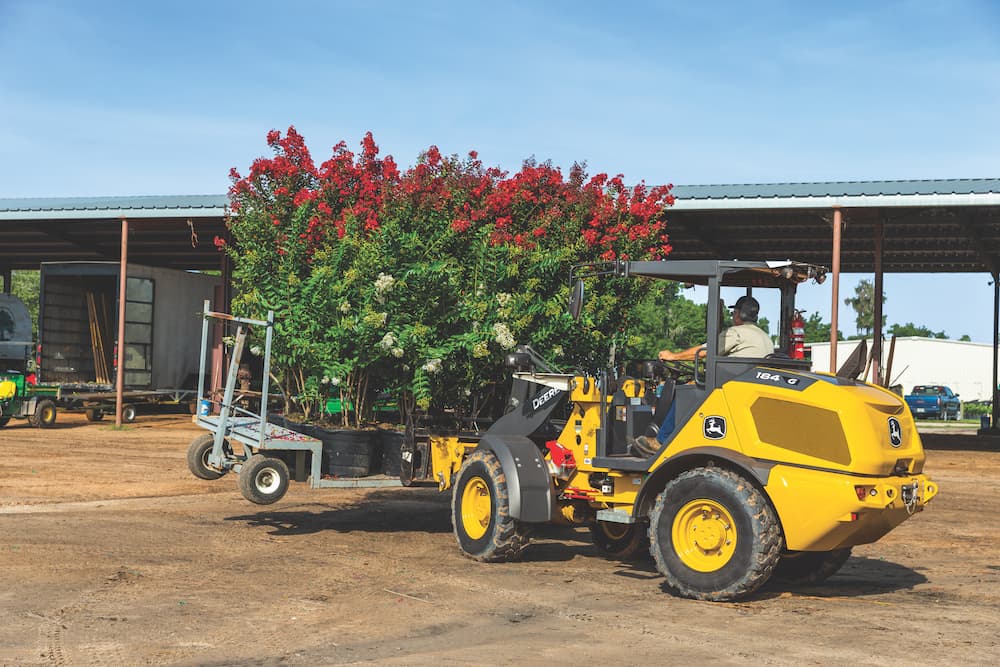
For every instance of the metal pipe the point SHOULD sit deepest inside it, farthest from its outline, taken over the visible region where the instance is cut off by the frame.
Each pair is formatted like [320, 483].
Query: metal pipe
[265, 384]
[122, 279]
[877, 308]
[835, 304]
[206, 309]
[996, 329]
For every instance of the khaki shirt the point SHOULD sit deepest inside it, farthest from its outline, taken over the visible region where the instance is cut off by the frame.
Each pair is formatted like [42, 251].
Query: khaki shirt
[745, 340]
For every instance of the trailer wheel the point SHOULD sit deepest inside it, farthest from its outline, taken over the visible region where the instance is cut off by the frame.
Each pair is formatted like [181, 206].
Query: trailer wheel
[263, 479]
[802, 568]
[197, 457]
[714, 535]
[94, 414]
[621, 541]
[45, 414]
[480, 511]
[128, 413]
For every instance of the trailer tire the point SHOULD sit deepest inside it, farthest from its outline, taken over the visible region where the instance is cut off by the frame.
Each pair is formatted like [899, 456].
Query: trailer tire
[804, 568]
[128, 413]
[45, 414]
[263, 479]
[621, 541]
[197, 457]
[714, 535]
[94, 414]
[480, 511]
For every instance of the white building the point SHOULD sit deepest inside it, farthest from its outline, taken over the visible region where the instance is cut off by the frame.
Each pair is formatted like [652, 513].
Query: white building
[965, 367]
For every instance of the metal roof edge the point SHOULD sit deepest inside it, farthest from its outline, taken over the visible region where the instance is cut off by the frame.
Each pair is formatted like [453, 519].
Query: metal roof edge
[853, 201]
[115, 213]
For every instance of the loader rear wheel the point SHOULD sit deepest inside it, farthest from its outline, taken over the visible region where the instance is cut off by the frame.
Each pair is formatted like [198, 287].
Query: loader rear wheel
[480, 511]
[263, 479]
[197, 457]
[45, 414]
[803, 568]
[622, 541]
[714, 535]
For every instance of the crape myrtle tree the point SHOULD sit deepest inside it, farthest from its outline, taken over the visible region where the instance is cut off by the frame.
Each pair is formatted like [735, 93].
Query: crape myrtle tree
[416, 283]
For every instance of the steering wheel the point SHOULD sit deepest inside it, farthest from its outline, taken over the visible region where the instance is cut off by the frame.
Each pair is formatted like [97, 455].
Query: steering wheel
[679, 369]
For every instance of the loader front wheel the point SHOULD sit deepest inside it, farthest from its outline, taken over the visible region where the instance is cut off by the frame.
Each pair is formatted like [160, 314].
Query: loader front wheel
[480, 511]
[263, 479]
[621, 541]
[714, 535]
[804, 568]
[197, 457]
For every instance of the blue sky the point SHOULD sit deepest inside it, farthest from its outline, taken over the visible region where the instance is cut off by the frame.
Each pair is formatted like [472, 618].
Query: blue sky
[104, 98]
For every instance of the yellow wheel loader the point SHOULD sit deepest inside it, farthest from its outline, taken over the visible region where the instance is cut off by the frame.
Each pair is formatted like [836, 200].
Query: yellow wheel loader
[770, 470]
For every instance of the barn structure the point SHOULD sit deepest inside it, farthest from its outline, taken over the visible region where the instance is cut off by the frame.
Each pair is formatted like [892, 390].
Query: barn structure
[913, 226]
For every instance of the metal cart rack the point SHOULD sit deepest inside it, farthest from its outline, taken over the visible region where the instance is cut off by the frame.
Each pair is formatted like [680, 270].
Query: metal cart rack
[271, 455]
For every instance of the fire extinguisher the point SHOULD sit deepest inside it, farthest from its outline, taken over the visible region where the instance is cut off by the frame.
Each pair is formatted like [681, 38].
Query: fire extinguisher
[798, 350]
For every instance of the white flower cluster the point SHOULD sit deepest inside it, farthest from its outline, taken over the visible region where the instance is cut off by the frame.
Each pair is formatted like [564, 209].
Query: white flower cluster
[503, 336]
[503, 298]
[383, 284]
[432, 366]
[256, 350]
[345, 307]
[481, 349]
[388, 343]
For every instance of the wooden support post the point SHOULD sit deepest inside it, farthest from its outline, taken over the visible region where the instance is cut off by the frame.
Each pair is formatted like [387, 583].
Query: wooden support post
[835, 305]
[122, 279]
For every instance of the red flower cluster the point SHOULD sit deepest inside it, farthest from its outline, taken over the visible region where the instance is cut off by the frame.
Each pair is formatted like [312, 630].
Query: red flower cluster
[352, 194]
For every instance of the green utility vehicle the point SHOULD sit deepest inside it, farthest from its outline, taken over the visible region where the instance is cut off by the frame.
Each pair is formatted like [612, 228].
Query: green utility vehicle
[20, 400]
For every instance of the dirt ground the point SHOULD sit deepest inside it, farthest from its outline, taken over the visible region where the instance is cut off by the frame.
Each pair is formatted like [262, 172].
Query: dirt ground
[111, 553]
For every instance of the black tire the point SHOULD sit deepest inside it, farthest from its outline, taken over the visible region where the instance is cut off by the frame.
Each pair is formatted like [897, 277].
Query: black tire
[714, 556]
[197, 457]
[94, 414]
[620, 541]
[485, 533]
[804, 568]
[3, 421]
[263, 479]
[45, 414]
[128, 414]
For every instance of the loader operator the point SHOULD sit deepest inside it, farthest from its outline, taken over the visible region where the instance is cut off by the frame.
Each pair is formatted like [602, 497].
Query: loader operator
[743, 339]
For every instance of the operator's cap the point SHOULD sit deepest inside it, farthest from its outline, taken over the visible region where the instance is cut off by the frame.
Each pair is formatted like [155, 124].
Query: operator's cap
[748, 307]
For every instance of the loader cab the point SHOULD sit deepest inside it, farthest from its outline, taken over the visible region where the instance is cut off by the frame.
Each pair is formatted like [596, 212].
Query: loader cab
[633, 411]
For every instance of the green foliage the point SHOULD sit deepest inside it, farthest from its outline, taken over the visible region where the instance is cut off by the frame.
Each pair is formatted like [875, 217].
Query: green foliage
[665, 319]
[818, 331]
[911, 329]
[863, 303]
[25, 286]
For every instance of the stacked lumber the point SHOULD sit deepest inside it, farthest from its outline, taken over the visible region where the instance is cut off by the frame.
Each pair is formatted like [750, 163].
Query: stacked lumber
[99, 320]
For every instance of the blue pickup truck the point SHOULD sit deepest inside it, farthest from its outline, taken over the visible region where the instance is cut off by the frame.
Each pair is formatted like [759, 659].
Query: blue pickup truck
[934, 401]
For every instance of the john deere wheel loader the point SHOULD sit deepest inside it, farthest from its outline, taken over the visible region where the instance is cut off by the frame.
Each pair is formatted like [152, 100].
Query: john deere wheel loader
[771, 470]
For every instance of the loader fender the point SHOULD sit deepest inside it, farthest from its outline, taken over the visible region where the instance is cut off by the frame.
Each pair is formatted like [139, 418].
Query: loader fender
[753, 469]
[528, 483]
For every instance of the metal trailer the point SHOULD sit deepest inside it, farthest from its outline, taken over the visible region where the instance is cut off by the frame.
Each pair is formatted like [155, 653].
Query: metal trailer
[271, 455]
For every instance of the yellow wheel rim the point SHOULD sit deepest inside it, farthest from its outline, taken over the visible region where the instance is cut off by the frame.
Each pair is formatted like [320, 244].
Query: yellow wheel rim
[704, 535]
[477, 508]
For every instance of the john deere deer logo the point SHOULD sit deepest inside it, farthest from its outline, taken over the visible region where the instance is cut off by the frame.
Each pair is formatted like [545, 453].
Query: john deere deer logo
[714, 427]
[895, 432]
